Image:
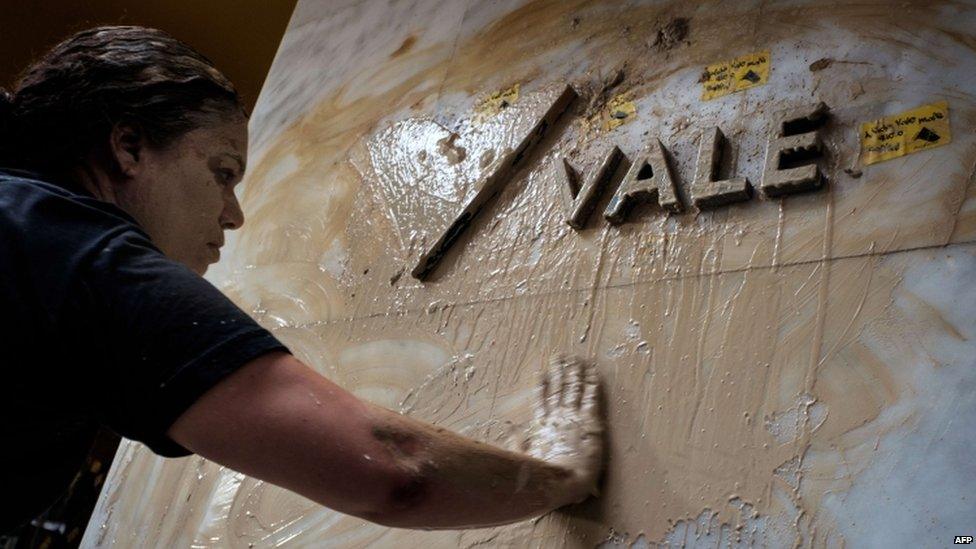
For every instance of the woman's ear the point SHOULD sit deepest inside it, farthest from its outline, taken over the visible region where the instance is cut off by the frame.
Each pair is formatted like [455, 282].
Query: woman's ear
[126, 145]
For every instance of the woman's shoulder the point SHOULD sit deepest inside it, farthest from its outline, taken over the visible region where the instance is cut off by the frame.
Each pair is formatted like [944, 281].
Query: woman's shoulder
[31, 196]
[27, 180]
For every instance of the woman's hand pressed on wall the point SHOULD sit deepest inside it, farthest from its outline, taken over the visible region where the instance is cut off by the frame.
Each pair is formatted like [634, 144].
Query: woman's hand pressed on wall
[568, 427]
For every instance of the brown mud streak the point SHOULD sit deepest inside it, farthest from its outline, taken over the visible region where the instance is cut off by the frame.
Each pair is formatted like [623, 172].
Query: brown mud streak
[405, 46]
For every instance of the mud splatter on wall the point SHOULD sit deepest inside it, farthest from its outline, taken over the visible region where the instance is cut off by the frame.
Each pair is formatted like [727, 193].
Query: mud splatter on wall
[789, 371]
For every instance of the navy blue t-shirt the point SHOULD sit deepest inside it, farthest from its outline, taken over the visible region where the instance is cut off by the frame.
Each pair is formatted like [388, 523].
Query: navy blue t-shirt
[98, 327]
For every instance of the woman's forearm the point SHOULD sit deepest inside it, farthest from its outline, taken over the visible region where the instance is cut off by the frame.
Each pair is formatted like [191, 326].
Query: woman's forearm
[457, 482]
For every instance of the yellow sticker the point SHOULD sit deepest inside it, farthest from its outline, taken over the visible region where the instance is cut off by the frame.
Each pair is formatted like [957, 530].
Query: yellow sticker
[496, 102]
[620, 110]
[911, 131]
[741, 73]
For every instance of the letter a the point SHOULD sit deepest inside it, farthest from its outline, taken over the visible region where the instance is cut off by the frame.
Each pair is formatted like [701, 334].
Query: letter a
[649, 178]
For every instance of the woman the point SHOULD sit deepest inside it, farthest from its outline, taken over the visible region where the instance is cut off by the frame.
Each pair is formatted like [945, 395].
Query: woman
[121, 149]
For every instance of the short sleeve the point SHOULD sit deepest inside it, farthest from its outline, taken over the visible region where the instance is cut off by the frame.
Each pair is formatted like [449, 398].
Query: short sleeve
[161, 336]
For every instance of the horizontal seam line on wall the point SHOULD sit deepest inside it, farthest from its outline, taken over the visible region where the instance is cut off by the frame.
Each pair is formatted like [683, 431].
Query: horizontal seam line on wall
[408, 312]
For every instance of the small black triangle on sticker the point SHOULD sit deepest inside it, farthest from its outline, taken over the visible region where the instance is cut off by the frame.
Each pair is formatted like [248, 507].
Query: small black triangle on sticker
[750, 76]
[926, 134]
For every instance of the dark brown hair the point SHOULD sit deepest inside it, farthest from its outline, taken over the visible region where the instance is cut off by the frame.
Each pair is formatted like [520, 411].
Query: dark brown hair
[65, 105]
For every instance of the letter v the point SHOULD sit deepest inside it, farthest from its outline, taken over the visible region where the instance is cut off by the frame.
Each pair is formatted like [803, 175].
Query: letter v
[579, 203]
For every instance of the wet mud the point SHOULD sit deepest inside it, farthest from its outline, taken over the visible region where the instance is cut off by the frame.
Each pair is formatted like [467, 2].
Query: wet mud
[768, 362]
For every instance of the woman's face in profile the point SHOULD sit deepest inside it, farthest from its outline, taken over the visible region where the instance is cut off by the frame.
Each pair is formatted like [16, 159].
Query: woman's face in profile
[184, 194]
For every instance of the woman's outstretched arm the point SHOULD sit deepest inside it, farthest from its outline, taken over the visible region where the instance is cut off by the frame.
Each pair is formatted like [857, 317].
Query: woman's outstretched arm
[278, 420]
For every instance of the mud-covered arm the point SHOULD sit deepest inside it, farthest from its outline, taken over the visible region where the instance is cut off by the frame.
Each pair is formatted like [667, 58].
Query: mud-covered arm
[277, 420]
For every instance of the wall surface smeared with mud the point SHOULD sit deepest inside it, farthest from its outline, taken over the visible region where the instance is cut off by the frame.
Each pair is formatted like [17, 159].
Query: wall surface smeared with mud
[780, 372]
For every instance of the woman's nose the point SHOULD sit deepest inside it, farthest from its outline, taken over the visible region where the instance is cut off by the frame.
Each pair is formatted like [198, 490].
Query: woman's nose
[232, 217]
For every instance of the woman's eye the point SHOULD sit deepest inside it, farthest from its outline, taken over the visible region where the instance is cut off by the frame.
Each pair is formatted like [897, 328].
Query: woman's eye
[227, 176]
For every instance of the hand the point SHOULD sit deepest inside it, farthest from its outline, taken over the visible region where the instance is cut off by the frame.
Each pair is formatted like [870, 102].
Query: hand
[568, 428]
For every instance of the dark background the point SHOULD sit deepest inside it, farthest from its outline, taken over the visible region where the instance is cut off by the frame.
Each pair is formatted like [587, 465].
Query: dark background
[239, 36]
